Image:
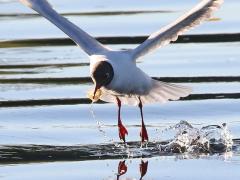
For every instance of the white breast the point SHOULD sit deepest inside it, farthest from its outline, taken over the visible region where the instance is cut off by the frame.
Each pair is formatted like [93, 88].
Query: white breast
[128, 79]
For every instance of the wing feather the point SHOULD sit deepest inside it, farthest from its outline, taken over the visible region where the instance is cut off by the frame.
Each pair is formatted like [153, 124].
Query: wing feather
[164, 36]
[81, 38]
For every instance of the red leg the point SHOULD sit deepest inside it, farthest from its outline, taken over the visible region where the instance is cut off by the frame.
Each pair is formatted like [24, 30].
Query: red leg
[121, 128]
[143, 133]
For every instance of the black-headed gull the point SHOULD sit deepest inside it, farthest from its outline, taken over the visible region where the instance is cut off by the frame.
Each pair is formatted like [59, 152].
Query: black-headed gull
[115, 72]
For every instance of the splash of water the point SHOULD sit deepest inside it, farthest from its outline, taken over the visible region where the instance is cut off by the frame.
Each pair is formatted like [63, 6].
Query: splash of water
[217, 138]
[100, 126]
[208, 139]
[185, 138]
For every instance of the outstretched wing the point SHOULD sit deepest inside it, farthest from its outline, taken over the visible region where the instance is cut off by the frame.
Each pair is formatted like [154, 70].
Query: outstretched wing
[195, 16]
[85, 41]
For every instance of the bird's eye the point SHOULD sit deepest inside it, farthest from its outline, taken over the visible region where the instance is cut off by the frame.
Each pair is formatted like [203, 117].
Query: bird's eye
[107, 75]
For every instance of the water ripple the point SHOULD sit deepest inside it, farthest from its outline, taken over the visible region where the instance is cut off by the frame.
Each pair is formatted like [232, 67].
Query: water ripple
[187, 140]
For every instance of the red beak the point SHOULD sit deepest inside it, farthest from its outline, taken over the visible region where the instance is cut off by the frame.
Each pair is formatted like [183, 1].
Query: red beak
[95, 90]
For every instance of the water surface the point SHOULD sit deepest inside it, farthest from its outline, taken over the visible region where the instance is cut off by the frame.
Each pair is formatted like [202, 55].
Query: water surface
[47, 128]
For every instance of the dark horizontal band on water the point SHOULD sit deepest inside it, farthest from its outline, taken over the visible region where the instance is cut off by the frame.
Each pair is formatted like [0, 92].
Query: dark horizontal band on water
[48, 153]
[75, 101]
[27, 66]
[83, 80]
[198, 38]
[97, 13]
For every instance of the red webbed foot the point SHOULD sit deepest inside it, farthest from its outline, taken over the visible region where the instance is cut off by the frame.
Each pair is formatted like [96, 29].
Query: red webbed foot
[122, 131]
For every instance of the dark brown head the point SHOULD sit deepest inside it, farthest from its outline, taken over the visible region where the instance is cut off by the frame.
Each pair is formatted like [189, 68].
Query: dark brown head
[102, 74]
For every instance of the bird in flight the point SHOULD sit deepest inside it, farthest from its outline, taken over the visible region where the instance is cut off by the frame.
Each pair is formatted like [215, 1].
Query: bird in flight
[115, 73]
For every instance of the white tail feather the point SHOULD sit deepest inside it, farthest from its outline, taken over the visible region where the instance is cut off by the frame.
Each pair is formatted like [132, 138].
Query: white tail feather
[161, 92]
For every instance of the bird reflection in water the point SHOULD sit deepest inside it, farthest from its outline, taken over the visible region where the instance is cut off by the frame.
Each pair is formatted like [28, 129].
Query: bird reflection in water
[122, 169]
[143, 168]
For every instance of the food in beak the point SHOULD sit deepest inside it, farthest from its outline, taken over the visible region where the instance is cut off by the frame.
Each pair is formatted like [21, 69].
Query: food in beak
[95, 94]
